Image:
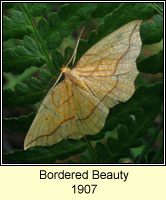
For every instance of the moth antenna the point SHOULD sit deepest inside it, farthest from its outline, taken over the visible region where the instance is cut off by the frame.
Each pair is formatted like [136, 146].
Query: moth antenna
[60, 75]
[72, 58]
[75, 50]
[58, 79]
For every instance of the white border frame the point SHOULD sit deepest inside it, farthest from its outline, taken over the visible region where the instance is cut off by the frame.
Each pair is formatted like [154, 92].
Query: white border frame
[1, 164]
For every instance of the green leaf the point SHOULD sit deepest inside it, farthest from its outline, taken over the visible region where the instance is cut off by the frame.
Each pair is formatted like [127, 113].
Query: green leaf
[21, 123]
[21, 88]
[123, 134]
[86, 159]
[44, 76]
[34, 84]
[21, 57]
[115, 147]
[16, 26]
[57, 59]
[14, 98]
[29, 93]
[65, 20]
[104, 9]
[68, 54]
[102, 152]
[49, 154]
[54, 40]
[152, 64]
[37, 9]
[31, 45]
[125, 13]
[160, 6]
[43, 28]
[152, 31]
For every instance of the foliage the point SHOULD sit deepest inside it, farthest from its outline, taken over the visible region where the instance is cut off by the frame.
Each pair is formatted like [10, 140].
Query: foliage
[34, 35]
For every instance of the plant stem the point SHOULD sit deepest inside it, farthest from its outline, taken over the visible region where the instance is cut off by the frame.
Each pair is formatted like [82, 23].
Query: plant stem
[91, 150]
[146, 149]
[157, 8]
[12, 80]
[158, 157]
[38, 38]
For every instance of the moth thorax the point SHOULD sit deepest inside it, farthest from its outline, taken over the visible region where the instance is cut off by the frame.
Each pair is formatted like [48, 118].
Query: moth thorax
[65, 69]
[76, 80]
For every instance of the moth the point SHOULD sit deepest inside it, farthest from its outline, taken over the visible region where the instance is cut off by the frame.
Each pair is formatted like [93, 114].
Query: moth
[79, 105]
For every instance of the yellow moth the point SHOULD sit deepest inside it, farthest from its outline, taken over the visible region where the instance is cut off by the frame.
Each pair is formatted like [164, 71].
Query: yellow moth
[79, 105]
